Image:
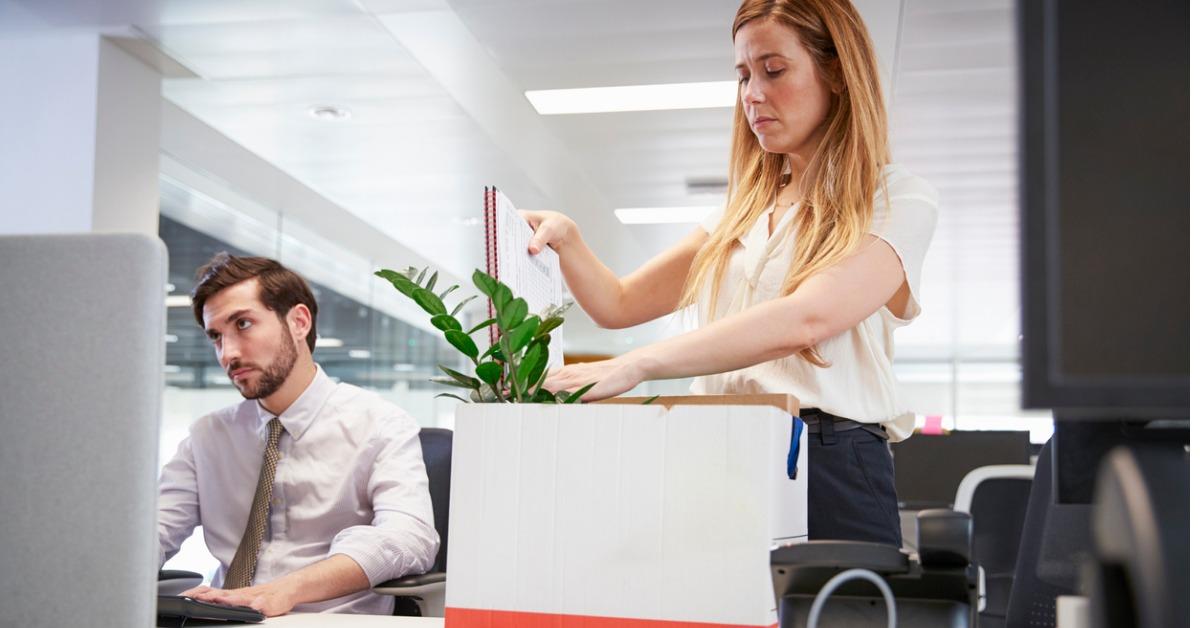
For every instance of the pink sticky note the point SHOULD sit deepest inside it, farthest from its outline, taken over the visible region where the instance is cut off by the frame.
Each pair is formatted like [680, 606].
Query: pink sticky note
[933, 424]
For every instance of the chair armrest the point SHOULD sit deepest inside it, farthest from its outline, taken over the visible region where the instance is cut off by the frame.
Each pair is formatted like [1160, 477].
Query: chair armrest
[175, 581]
[414, 585]
[944, 538]
[877, 557]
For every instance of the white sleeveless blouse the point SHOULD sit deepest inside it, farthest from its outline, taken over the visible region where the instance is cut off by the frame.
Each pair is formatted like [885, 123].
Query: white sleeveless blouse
[859, 384]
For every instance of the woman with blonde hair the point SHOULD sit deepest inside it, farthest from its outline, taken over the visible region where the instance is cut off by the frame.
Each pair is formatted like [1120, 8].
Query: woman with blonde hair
[804, 275]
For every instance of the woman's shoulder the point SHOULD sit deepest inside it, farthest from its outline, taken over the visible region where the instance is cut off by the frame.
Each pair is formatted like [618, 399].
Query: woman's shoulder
[901, 184]
[910, 204]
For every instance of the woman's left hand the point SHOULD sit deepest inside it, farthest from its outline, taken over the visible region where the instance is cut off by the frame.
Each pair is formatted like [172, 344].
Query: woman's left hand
[612, 377]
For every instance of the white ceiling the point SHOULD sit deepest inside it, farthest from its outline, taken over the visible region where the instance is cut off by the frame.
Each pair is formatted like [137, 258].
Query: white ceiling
[435, 91]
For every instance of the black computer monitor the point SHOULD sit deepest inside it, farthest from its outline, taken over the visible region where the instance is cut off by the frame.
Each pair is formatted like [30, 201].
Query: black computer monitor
[929, 468]
[1104, 207]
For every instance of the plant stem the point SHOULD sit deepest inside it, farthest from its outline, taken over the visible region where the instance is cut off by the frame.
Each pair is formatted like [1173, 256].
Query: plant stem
[512, 366]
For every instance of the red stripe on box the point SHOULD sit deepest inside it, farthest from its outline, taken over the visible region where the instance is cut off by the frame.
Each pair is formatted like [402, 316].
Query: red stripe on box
[477, 618]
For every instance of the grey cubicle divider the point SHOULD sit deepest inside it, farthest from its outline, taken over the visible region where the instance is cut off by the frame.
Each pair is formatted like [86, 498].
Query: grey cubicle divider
[82, 322]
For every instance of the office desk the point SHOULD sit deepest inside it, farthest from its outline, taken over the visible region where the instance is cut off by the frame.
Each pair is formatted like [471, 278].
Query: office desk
[325, 620]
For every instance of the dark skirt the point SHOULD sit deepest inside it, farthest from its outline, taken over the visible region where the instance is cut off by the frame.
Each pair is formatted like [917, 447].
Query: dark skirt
[852, 488]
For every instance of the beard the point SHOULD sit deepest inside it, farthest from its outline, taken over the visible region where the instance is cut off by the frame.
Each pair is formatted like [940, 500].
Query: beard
[276, 372]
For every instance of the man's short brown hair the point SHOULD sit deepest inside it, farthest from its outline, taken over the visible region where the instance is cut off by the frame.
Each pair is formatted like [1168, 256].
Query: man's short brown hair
[279, 289]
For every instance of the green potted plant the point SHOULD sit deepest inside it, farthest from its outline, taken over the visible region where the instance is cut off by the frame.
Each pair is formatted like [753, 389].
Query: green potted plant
[513, 369]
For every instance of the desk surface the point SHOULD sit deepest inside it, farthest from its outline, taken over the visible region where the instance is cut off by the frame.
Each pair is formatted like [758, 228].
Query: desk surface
[327, 620]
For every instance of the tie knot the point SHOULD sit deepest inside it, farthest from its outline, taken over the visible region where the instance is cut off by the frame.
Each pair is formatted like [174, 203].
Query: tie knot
[274, 429]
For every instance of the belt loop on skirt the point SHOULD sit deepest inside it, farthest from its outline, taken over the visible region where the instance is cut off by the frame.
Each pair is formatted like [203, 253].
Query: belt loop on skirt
[828, 431]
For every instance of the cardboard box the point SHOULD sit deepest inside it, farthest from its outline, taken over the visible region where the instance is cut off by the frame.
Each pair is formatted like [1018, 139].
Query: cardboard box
[610, 515]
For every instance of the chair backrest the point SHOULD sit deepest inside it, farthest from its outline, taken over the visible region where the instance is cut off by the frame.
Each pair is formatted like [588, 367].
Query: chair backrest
[1055, 539]
[436, 445]
[996, 497]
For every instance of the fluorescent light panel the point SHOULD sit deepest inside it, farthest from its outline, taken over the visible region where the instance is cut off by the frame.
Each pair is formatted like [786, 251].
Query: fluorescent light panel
[663, 215]
[712, 94]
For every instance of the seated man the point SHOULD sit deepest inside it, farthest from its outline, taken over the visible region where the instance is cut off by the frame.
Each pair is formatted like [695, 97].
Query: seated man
[309, 491]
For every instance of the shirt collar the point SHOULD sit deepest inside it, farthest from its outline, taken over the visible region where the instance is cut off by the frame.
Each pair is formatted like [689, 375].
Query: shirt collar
[300, 415]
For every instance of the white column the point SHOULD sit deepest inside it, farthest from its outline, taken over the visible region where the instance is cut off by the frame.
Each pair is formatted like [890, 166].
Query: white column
[79, 130]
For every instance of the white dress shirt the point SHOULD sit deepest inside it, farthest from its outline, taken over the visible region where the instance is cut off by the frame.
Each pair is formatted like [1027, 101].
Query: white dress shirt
[859, 383]
[350, 480]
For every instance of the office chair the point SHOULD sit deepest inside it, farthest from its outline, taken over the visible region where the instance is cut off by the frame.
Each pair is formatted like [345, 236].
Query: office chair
[1055, 542]
[428, 590]
[936, 587]
[996, 497]
[1139, 577]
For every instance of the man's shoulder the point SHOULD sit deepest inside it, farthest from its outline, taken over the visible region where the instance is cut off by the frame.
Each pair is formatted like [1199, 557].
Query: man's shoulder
[230, 416]
[366, 405]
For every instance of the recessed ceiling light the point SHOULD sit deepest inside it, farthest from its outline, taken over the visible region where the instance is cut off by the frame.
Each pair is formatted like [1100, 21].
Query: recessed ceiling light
[634, 98]
[663, 215]
[328, 112]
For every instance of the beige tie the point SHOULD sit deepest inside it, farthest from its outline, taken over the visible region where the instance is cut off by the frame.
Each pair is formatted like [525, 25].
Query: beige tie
[241, 568]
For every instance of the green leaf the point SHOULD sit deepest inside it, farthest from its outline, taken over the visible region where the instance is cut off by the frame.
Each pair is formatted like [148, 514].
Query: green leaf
[484, 282]
[463, 343]
[579, 393]
[493, 351]
[450, 381]
[543, 396]
[490, 321]
[445, 322]
[421, 276]
[432, 281]
[549, 325]
[513, 313]
[428, 301]
[464, 380]
[447, 291]
[489, 372]
[387, 273]
[452, 396]
[562, 395]
[522, 334]
[402, 283]
[651, 400]
[532, 365]
[458, 308]
[502, 296]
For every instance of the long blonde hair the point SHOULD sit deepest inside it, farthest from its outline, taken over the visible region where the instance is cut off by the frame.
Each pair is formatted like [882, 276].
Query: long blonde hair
[845, 168]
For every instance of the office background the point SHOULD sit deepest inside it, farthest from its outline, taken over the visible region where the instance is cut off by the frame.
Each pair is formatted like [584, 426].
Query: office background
[343, 135]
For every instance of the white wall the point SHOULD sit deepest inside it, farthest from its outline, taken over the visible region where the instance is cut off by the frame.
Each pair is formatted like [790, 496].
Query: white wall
[79, 127]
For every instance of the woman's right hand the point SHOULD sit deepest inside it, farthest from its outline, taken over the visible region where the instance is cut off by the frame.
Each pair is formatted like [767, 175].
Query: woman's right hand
[551, 229]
